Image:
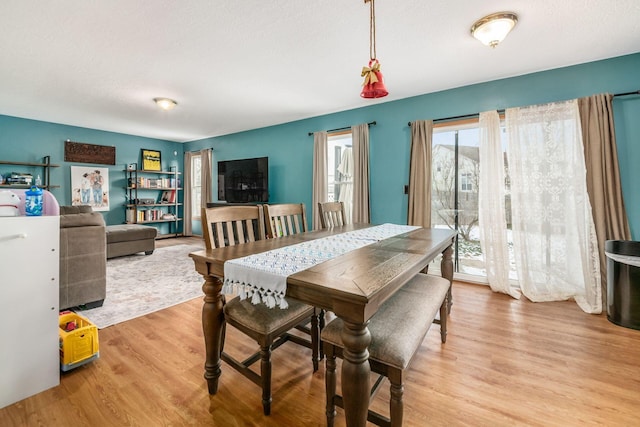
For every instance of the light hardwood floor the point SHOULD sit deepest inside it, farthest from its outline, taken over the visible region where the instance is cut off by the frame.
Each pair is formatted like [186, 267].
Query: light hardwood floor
[506, 363]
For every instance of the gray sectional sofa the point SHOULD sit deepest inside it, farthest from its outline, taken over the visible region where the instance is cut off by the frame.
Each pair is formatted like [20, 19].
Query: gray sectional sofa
[85, 244]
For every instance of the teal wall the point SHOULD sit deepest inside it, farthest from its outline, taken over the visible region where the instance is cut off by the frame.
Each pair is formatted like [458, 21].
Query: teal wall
[25, 140]
[626, 113]
[290, 148]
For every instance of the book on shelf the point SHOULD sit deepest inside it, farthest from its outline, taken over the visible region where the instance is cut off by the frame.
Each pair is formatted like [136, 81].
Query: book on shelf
[168, 196]
[143, 182]
[146, 215]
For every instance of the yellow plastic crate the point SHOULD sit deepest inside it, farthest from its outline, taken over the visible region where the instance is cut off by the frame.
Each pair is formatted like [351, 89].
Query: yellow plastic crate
[77, 346]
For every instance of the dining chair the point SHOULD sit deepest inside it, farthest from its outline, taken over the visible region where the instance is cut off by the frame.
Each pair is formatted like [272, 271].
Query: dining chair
[269, 327]
[285, 219]
[332, 214]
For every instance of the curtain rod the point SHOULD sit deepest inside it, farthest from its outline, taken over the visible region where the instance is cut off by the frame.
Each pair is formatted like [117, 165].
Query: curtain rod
[446, 119]
[464, 116]
[469, 116]
[345, 128]
[637, 92]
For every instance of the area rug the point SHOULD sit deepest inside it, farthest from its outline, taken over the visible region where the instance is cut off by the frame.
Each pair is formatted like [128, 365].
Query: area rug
[141, 284]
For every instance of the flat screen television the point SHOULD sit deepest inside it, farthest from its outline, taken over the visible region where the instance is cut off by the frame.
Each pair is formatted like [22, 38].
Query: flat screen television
[244, 180]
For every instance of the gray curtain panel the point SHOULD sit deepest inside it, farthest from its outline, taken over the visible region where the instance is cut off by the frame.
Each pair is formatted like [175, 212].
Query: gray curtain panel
[206, 178]
[360, 139]
[603, 175]
[419, 212]
[320, 179]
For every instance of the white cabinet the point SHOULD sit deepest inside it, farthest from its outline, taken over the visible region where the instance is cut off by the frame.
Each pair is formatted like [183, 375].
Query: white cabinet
[29, 288]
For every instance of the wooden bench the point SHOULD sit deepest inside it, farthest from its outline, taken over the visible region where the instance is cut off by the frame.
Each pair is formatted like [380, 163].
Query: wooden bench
[397, 332]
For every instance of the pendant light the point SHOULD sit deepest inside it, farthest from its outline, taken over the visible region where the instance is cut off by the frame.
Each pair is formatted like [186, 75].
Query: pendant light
[373, 86]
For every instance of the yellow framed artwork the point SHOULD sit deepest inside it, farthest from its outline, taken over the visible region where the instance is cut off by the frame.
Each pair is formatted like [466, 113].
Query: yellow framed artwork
[150, 160]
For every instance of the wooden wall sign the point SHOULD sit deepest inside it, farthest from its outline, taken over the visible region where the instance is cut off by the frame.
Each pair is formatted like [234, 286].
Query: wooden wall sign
[89, 153]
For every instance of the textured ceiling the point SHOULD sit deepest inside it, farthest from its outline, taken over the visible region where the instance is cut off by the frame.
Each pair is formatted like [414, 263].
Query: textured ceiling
[245, 64]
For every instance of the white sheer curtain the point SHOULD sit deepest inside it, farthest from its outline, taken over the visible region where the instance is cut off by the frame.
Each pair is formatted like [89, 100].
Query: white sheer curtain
[555, 243]
[320, 178]
[206, 156]
[346, 187]
[491, 207]
[187, 215]
[360, 140]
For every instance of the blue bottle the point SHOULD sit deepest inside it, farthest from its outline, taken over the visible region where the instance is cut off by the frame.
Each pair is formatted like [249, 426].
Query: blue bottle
[33, 201]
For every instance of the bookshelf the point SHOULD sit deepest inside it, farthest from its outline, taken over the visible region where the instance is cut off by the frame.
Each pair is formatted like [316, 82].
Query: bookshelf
[153, 198]
[46, 166]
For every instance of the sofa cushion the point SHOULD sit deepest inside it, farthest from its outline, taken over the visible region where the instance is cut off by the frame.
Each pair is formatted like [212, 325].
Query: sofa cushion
[130, 232]
[67, 210]
[81, 220]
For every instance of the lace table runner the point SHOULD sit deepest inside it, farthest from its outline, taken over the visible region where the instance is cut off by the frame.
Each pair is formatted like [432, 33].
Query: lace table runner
[263, 277]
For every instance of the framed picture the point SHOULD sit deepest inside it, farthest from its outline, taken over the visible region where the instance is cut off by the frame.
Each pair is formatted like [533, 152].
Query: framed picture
[90, 186]
[89, 153]
[150, 160]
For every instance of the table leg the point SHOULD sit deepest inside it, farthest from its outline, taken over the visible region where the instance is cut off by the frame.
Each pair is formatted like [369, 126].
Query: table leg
[213, 325]
[446, 269]
[355, 373]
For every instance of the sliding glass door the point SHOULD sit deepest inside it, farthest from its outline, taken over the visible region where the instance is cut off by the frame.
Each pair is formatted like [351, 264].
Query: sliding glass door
[454, 195]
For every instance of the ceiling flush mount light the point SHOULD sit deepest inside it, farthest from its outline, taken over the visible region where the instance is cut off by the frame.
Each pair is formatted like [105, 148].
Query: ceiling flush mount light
[165, 103]
[492, 29]
[373, 86]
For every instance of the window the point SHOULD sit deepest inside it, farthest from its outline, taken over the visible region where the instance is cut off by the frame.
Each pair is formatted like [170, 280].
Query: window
[466, 182]
[340, 170]
[196, 186]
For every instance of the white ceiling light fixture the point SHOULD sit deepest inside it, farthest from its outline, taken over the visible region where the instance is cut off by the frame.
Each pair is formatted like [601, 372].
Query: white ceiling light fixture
[165, 103]
[492, 29]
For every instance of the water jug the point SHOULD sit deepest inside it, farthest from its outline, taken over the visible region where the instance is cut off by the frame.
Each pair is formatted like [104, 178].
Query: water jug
[33, 202]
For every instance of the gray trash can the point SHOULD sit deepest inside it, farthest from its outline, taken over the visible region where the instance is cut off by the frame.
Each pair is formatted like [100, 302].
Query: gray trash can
[623, 282]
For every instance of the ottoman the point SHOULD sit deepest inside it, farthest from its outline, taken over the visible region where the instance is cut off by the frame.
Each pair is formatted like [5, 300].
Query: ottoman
[129, 239]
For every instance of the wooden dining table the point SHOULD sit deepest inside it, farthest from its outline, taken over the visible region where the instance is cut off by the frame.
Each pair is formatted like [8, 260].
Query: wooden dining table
[353, 286]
